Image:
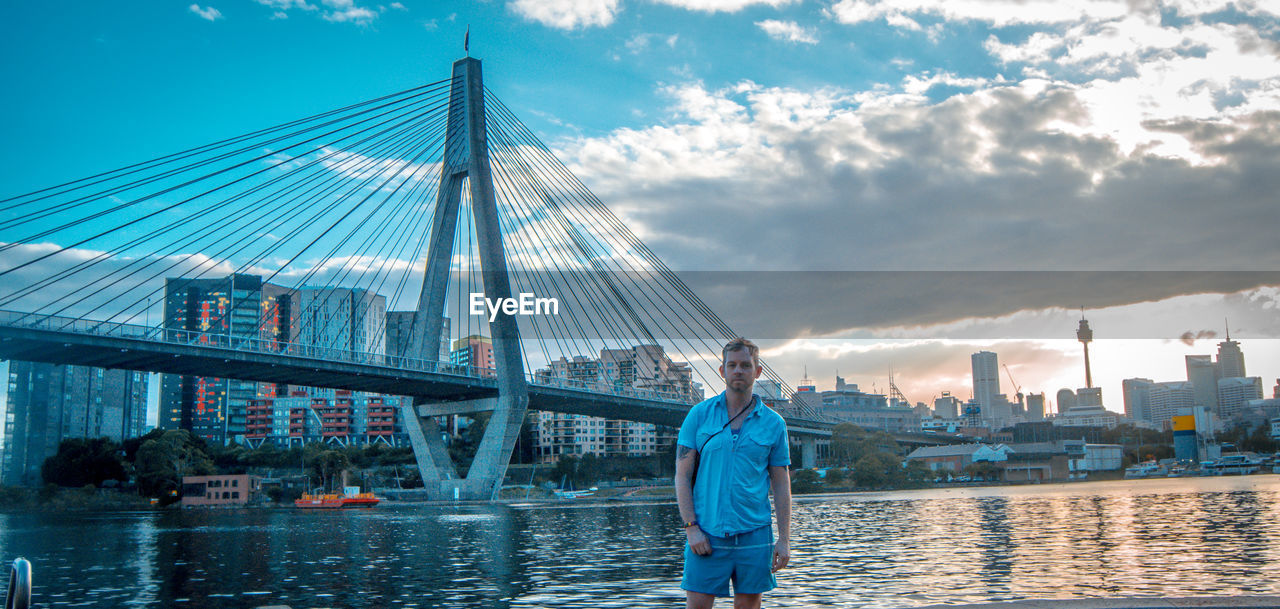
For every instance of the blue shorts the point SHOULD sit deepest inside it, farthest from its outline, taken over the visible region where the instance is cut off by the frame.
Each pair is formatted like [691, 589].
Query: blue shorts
[745, 559]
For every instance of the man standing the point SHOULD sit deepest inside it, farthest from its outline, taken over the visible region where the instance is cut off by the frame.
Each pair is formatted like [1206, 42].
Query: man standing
[732, 450]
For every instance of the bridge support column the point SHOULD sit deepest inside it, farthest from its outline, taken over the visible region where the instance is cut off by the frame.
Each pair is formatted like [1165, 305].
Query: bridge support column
[808, 452]
[466, 164]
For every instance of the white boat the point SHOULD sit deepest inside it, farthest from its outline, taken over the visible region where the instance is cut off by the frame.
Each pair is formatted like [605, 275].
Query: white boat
[575, 494]
[1233, 464]
[1148, 469]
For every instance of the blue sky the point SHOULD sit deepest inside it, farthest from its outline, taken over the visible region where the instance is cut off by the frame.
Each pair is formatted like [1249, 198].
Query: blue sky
[880, 135]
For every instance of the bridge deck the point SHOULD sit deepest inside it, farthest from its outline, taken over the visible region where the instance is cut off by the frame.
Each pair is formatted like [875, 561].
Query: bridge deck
[439, 382]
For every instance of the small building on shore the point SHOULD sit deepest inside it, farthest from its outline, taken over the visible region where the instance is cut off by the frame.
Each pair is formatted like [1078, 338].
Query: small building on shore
[958, 456]
[235, 489]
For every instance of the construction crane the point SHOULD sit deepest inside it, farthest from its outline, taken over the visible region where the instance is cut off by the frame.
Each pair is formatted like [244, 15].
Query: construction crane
[895, 393]
[1016, 387]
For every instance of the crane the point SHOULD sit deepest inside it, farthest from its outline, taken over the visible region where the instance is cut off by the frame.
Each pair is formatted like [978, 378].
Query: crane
[1016, 387]
[894, 392]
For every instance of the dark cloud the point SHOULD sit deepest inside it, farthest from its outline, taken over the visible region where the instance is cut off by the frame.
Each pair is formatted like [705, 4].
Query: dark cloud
[1189, 338]
[958, 187]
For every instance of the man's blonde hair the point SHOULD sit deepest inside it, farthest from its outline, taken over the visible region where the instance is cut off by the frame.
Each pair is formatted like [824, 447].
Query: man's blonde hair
[738, 344]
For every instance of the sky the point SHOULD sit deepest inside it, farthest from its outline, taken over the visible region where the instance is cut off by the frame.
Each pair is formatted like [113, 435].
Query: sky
[928, 179]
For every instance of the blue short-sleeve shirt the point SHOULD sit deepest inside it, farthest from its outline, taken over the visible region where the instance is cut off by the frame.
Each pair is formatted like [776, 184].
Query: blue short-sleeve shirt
[731, 491]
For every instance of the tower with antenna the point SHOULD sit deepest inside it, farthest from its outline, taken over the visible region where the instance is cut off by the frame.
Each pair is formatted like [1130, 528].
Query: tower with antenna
[1230, 357]
[1085, 335]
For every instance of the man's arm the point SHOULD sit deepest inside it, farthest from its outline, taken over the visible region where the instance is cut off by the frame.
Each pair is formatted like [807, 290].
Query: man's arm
[780, 483]
[685, 459]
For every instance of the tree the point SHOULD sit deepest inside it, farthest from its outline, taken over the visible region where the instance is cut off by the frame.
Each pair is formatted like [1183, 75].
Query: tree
[329, 465]
[982, 470]
[850, 444]
[162, 462]
[835, 476]
[82, 461]
[805, 481]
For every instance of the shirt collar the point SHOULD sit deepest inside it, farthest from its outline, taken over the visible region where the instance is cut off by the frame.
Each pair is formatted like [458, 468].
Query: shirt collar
[756, 403]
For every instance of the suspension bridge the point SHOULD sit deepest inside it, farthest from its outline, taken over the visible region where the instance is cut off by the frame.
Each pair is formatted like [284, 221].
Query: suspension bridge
[428, 200]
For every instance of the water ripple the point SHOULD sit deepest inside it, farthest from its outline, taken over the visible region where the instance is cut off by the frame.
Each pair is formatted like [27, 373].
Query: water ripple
[913, 548]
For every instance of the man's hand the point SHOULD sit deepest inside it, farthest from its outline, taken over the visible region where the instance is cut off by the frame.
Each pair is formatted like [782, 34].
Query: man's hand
[698, 540]
[781, 555]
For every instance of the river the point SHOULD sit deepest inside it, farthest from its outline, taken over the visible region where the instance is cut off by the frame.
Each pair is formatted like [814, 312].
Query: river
[1177, 537]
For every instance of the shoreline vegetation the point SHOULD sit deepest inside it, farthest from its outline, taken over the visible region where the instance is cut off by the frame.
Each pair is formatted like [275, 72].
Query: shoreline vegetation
[147, 472]
[91, 499]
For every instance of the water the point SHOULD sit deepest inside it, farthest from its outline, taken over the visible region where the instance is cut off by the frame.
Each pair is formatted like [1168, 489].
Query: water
[1180, 537]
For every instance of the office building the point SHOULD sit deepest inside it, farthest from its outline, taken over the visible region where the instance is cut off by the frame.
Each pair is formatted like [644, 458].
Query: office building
[474, 351]
[1035, 407]
[1137, 398]
[947, 406]
[347, 320]
[399, 326]
[1203, 376]
[1230, 359]
[1066, 400]
[220, 310]
[48, 403]
[986, 383]
[643, 367]
[1234, 394]
[1170, 399]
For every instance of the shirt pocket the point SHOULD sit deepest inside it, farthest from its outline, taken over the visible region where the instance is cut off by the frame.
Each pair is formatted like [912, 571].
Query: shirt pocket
[755, 446]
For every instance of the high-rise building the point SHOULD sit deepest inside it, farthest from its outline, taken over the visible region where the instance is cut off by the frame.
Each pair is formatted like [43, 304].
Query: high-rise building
[1035, 406]
[986, 382]
[768, 389]
[1203, 376]
[235, 306]
[1137, 398]
[1234, 394]
[332, 416]
[640, 367]
[1230, 359]
[349, 320]
[1170, 399]
[1089, 397]
[49, 403]
[1066, 400]
[475, 351]
[400, 325]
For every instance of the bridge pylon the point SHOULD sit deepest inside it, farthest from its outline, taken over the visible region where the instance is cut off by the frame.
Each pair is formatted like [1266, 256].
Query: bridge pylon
[466, 164]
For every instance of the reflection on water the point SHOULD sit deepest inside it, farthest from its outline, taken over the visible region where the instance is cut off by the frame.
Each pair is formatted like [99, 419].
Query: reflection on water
[1179, 537]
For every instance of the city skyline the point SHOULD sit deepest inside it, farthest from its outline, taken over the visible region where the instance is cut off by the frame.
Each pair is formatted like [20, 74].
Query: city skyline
[888, 137]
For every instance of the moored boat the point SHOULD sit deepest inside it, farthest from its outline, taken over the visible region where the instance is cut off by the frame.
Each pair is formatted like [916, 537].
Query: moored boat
[346, 500]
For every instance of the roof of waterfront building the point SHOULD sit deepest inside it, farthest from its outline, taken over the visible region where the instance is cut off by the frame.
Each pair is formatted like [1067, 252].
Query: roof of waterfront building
[954, 450]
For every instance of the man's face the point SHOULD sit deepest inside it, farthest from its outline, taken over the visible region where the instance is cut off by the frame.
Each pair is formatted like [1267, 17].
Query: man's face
[739, 371]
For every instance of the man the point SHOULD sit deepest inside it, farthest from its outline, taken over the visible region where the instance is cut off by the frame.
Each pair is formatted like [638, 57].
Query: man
[732, 450]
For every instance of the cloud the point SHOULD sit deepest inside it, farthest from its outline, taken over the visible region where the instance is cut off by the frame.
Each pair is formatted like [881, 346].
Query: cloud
[208, 14]
[1009, 176]
[336, 11]
[567, 14]
[345, 11]
[996, 12]
[788, 31]
[1189, 338]
[726, 6]
[284, 5]
[644, 41]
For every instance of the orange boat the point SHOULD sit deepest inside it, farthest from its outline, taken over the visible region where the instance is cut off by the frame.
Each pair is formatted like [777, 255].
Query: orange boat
[337, 501]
